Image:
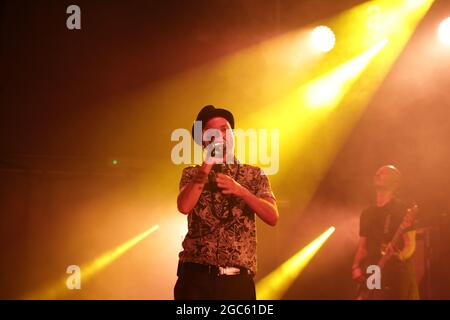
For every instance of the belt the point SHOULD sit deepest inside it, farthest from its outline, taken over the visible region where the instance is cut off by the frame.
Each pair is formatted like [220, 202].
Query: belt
[211, 269]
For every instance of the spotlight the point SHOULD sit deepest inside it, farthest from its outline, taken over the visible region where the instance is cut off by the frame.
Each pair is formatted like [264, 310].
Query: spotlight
[444, 31]
[323, 39]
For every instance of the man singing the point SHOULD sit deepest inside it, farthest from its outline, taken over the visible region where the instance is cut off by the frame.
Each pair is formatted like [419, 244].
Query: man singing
[221, 198]
[378, 224]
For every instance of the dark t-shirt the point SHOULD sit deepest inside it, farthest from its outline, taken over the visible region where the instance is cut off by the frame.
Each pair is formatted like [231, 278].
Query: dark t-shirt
[379, 224]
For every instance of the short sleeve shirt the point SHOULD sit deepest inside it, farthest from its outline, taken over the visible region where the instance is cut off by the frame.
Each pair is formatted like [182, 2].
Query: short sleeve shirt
[222, 228]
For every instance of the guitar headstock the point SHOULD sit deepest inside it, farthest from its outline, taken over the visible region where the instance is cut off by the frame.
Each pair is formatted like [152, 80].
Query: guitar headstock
[410, 217]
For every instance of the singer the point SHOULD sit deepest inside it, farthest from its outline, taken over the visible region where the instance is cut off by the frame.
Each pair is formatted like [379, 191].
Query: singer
[220, 199]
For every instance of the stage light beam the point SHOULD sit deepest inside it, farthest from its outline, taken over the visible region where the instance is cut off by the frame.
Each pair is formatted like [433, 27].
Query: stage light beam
[275, 285]
[320, 112]
[331, 87]
[104, 260]
[89, 269]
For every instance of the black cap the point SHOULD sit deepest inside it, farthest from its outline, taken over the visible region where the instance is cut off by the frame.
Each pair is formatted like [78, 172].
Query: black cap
[209, 112]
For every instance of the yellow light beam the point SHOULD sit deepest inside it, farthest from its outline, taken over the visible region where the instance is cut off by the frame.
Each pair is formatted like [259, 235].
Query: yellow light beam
[91, 268]
[108, 257]
[315, 119]
[302, 113]
[329, 89]
[275, 285]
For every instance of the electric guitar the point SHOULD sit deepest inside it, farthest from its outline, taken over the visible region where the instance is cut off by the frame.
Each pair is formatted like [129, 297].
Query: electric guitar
[363, 292]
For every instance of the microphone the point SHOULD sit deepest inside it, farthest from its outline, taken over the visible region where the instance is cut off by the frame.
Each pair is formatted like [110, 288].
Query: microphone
[221, 167]
[219, 147]
[219, 150]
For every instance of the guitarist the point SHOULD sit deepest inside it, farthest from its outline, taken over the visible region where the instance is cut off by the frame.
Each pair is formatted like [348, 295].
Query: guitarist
[378, 224]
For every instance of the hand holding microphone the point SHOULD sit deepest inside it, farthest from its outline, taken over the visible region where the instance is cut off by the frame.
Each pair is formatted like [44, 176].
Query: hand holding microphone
[215, 152]
[213, 160]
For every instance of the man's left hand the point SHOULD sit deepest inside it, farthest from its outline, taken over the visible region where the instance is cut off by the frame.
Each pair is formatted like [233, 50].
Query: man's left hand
[228, 184]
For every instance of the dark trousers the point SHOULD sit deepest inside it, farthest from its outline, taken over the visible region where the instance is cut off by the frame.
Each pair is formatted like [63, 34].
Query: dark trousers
[199, 285]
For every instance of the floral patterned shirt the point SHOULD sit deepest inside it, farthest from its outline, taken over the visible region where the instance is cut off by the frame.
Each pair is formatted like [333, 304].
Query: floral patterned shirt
[221, 228]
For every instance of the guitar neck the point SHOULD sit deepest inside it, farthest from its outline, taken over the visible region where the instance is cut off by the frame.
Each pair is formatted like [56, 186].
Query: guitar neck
[394, 241]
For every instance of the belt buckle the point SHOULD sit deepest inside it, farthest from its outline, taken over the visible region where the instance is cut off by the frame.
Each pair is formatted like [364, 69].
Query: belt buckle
[229, 271]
